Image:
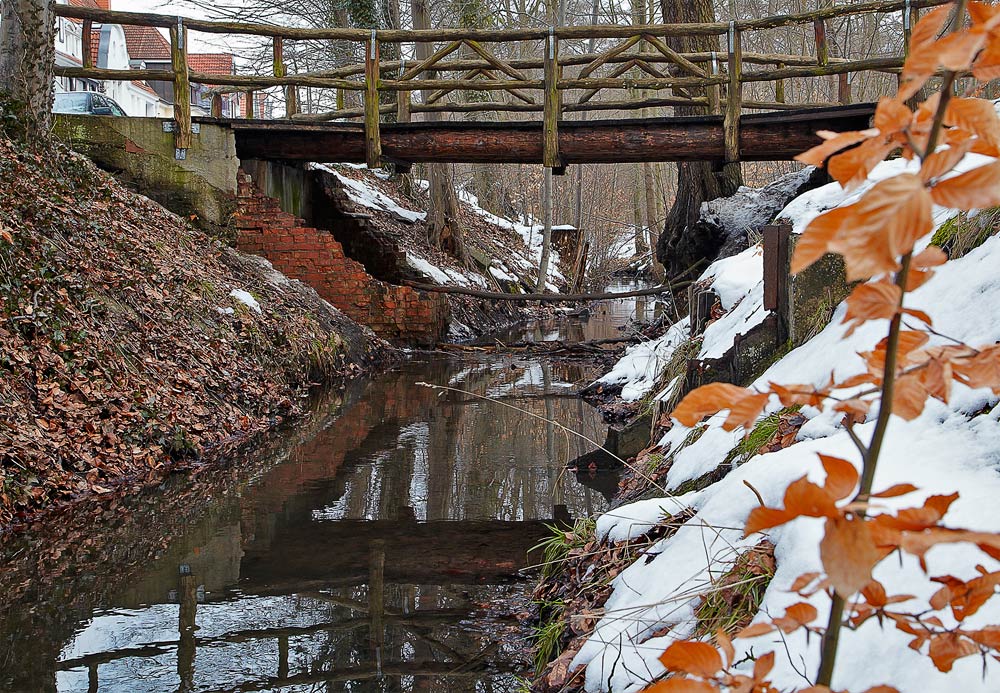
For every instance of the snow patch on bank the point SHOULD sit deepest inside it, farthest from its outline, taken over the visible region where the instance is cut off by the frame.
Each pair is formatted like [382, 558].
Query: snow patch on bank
[953, 447]
[642, 364]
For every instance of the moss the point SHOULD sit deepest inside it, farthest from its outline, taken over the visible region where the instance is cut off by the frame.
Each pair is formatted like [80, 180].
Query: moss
[736, 596]
[759, 436]
[962, 233]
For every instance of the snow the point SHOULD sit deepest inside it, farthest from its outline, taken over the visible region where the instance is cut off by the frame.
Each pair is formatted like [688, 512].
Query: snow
[642, 363]
[367, 196]
[950, 447]
[246, 298]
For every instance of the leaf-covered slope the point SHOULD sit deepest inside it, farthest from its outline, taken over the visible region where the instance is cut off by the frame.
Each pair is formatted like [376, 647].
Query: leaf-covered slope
[128, 339]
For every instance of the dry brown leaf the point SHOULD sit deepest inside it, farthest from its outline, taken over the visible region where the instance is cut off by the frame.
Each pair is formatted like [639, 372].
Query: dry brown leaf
[696, 658]
[849, 554]
[975, 189]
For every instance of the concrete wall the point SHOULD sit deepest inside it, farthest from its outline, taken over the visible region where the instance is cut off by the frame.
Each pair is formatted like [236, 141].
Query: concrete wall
[141, 154]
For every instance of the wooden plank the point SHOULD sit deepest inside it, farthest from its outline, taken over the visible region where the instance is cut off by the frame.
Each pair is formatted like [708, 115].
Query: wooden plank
[88, 43]
[763, 137]
[553, 105]
[779, 87]
[373, 140]
[103, 74]
[844, 88]
[734, 98]
[822, 48]
[182, 87]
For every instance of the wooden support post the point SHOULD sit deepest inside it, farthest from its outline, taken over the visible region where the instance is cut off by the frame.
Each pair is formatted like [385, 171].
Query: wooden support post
[182, 88]
[216, 105]
[714, 92]
[822, 49]
[734, 101]
[280, 70]
[88, 43]
[776, 261]
[553, 104]
[402, 100]
[844, 88]
[909, 18]
[779, 87]
[249, 105]
[373, 138]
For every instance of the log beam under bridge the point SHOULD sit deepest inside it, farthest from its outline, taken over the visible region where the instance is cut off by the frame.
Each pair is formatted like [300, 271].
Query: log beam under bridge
[773, 136]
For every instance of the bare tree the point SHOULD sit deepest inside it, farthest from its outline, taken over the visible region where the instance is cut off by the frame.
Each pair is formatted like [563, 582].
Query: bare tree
[27, 52]
[697, 182]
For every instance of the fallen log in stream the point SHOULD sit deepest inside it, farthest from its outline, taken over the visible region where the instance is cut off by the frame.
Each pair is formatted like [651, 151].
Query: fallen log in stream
[547, 298]
[552, 347]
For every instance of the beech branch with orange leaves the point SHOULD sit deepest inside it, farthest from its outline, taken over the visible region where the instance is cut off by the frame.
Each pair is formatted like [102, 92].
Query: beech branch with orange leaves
[877, 237]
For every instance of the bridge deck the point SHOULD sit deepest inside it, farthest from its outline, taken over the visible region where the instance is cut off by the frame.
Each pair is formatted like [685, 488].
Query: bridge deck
[775, 136]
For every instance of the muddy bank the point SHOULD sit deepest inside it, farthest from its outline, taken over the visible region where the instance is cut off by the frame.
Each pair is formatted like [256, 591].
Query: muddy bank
[131, 342]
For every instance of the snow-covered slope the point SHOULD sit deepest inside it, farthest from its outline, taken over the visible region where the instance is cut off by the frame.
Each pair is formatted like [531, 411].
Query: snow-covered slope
[953, 447]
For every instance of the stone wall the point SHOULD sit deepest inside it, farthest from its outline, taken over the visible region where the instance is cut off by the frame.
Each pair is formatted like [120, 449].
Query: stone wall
[397, 313]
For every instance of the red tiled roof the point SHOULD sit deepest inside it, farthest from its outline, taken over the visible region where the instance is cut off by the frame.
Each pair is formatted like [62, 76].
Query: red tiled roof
[85, 3]
[146, 43]
[211, 63]
[95, 46]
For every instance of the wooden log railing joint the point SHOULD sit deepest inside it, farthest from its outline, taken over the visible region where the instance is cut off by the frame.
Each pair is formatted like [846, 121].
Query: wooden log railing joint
[373, 139]
[715, 91]
[182, 89]
[552, 105]
[734, 97]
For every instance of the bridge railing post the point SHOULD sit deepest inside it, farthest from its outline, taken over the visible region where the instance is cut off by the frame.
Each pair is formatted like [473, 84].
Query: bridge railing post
[280, 70]
[88, 39]
[402, 99]
[734, 99]
[552, 107]
[182, 88]
[373, 138]
[714, 91]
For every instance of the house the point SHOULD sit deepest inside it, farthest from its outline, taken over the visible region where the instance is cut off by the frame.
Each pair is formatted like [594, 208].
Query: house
[118, 47]
[148, 46]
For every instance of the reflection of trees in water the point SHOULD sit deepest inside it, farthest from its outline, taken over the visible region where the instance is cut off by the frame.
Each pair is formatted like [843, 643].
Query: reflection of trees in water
[455, 457]
[398, 453]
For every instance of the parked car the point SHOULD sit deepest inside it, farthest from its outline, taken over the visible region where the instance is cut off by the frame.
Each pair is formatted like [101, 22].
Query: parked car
[86, 102]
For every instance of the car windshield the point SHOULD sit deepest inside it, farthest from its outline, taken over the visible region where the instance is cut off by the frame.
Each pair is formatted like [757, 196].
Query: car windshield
[72, 102]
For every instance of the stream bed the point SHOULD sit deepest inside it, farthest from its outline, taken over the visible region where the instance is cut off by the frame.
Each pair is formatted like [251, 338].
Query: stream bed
[375, 546]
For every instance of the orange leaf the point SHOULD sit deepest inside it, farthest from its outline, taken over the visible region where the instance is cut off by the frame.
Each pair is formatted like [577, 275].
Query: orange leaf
[760, 519]
[956, 51]
[796, 616]
[762, 667]
[802, 497]
[895, 490]
[841, 476]
[943, 160]
[743, 404]
[697, 658]
[978, 116]
[676, 685]
[755, 630]
[980, 370]
[909, 397]
[814, 242]
[965, 598]
[947, 647]
[833, 143]
[931, 256]
[922, 60]
[849, 553]
[987, 65]
[891, 116]
[806, 395]
[899, 207]
[851, 168]
[882, 689]
[975, 189]
[873, 301]
[726, 644]
[874, 594]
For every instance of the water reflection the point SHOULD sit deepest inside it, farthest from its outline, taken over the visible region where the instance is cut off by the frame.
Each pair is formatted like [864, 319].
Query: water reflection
[369, 559]
[375, 547]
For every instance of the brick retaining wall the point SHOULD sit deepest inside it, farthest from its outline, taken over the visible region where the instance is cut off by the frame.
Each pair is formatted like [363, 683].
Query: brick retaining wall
[397, 313]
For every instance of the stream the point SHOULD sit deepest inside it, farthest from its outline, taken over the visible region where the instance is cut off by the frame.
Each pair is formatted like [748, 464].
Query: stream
[375, 546]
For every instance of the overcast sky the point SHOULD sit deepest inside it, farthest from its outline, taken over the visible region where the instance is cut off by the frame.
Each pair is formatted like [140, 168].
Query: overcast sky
[198, 42]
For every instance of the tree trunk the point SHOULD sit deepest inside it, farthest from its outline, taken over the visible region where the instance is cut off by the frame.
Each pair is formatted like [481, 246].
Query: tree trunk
[27, 53]
[697, 182]
[444, 226]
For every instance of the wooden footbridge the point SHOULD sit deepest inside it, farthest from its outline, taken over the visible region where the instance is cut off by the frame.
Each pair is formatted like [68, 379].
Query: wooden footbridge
[559, 81]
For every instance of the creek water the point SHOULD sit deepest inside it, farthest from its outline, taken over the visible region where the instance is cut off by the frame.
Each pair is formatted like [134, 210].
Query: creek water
[376, 546]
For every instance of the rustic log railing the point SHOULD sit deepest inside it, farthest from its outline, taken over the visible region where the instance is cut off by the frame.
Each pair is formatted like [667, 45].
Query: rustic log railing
[712, 81]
